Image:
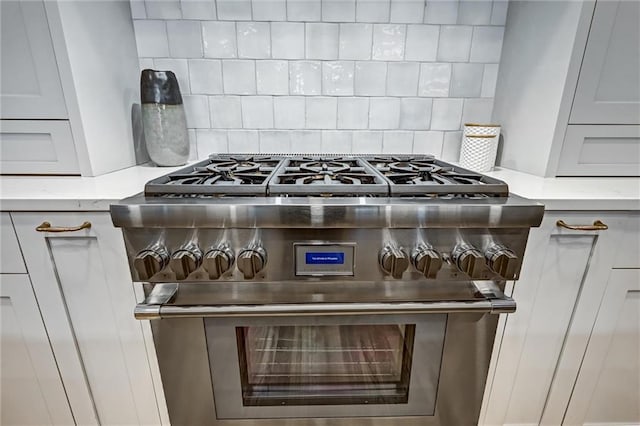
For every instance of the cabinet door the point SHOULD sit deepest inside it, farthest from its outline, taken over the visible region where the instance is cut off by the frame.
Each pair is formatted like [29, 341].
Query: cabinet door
[31, 392]
[607, 390]
[561, 267]
[608, 90]
[30, 82]
[83, 285]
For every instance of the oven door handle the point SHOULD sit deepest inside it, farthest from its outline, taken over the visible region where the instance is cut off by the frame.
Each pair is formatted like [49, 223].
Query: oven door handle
[157, 306]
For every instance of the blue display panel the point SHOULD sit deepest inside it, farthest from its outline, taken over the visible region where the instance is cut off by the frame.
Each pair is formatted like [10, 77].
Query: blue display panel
[324, 258]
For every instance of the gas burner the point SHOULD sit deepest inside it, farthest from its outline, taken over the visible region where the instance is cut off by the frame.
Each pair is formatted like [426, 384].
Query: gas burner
[218, 176]
[326, 177]
[426, 176]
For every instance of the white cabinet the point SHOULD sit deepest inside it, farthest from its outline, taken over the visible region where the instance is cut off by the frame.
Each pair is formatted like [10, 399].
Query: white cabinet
[571, 300]
[568, 92]
[31, 87]
[31, 391]
[608, 90]
[85, 294]
[69, 87]
[10, 256]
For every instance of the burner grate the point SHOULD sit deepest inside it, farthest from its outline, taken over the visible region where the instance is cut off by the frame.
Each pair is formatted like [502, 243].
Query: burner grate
[340, 176]
[241, 175]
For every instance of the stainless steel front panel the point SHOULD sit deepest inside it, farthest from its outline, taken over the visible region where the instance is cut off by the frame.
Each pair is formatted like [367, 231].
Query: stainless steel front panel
[280, 244]
[181, 345]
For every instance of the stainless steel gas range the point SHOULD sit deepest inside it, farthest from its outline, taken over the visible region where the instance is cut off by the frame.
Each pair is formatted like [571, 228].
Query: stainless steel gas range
[324, 290]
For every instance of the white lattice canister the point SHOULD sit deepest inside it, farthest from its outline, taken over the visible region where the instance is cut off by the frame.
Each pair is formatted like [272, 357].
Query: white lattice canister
[479, 147]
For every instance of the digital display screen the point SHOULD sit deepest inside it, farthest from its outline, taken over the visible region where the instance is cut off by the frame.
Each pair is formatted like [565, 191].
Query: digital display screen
[324, 258]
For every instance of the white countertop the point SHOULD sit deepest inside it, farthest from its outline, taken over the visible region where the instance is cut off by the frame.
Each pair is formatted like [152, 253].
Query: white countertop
[68, 193]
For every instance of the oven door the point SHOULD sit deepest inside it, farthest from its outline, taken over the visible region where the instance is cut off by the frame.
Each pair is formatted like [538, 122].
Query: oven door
[329, 366]
[373, 364]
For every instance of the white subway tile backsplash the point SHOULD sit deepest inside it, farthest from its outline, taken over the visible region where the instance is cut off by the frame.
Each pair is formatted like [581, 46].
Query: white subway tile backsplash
[367, 142]
[205, 76]
[225, 112]
[407, 11]
[486, 44]
[211, 142]
[336, 142]
[185, 39]
[243, 141]
[388, 42]
[239, 77]
[435, 80]
[422, 42]
[234, 10]
[289, 112]
[397, 142]
[305, 78]
[303, 10]
[337, 78]
[451, 146]
[428, 142]
[151, 38]
[254, 40]
[196, 108]
[287, 40]
[441, 12]
[321, 41]
[353, 113]
[321, 112]
[474, 12]
[499, 12]
[446, 114]
[466, 80]
[166, 9]
[274, 141]
[384, 113]
[454, 43]
[355, 41]
[489, 79]
[477, 110]
[201, 10]
[179, 68]
[305, 141]
[269, 10]
[339, 10]
[370, 78]
[257, 112]
[402, 78]
[372, 10]
[219, 39]
[272, 77]
[138, 10]
[193, 146]
[415, 113]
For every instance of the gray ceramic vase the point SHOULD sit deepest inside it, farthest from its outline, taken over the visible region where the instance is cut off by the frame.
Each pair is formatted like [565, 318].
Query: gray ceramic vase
[163, 118]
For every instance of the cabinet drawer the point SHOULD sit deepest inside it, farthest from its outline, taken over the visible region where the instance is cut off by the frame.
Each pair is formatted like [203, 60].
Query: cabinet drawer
[37, 147]
[11, 261]
[602, 150]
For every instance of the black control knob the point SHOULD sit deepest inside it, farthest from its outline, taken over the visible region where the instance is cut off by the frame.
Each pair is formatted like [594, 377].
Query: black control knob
[468, 259]
[426, 260]
[502, 260]
[186, 260]
[218, 260]
[150, 261]
[394, 261]
[251, 260]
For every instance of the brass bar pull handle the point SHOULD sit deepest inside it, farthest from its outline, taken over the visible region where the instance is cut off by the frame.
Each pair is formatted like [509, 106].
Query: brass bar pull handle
[46, 227]
[598, 225]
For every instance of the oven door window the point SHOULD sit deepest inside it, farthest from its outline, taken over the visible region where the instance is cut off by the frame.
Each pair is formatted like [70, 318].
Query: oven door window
[325, 365]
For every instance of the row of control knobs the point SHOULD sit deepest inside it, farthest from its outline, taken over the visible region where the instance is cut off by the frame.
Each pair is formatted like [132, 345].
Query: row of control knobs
[500, 259]
[187, 259]
[252, 259]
